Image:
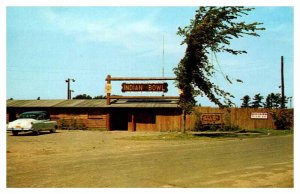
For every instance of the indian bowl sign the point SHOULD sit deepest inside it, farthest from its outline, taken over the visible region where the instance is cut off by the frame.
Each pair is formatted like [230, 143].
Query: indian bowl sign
[144, 87]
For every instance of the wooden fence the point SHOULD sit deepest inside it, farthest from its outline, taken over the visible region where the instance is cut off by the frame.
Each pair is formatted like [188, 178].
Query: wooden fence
[245, 118]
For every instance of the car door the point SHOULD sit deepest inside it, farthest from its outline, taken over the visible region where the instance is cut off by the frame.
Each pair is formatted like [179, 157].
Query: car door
[41, 123]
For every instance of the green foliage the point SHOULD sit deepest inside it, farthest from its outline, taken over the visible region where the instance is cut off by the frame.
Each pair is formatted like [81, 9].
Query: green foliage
[234, 128]
[211, 30]
[71, 124]
[273, 100]
[82, 96]
[63, 124]
[257, 101]
[246, 101]
[198, 123]
[100, 97]
[283, 118]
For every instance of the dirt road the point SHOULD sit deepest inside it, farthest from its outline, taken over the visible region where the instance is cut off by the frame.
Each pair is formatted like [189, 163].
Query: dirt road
[102, 159]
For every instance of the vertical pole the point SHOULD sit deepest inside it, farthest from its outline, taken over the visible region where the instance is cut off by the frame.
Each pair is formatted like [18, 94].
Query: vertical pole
[68, 88]
[108, 92]
[133, 122]
[163, 58]
[108, 103]
[282, 83]
[184, 121]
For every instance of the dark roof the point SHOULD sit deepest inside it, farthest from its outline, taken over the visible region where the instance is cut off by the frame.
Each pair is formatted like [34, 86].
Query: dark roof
[145, 103]
[93, 103]
[56, 103]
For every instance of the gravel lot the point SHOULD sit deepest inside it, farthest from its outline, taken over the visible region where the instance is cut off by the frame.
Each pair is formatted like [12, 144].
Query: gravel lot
[94, 159]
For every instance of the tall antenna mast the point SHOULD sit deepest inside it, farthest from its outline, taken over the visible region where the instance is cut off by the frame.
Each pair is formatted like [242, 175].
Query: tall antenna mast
[163, 58]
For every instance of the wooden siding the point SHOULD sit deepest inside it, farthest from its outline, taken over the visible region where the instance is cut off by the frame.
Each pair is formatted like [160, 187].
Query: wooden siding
[149, 119]
[168, 120]
[83, 117]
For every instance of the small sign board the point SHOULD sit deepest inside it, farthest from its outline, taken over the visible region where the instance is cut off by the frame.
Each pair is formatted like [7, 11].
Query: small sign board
[259, 115]
[211, 118]
[144, 87]
[108, 88]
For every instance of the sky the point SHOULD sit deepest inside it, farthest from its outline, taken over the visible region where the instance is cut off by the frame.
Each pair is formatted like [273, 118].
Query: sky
[47, 45]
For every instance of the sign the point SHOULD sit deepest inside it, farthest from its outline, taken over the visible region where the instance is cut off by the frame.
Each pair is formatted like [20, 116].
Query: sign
[212, 118]
[108, 88]
[259, 115]
[145, 87]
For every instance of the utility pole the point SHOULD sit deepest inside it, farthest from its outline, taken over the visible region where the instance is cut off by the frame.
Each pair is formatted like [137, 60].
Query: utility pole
[163, 58]
[282, 84]
[68, 89]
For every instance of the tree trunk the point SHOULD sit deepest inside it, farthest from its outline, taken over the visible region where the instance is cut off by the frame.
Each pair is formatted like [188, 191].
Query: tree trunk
[184, 121]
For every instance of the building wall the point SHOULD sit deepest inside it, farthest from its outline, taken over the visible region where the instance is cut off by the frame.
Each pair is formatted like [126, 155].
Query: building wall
[158, 119]
[70, 117]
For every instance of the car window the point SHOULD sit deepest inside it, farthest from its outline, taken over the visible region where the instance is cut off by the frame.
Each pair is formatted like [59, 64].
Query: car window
[41, 116]
[28, 116]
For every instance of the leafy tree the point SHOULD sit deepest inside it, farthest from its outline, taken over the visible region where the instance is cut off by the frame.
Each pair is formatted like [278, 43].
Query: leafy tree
[283, 118]
[211, 30]
[273, 100]
[246, 102]
[100, 97]
[82, 96]
[257, 101]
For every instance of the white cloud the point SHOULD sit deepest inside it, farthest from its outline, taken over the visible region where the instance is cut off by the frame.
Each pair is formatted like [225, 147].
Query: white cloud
[121, 29]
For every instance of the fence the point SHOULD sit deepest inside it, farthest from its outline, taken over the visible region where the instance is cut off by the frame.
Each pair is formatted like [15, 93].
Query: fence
[245, 118]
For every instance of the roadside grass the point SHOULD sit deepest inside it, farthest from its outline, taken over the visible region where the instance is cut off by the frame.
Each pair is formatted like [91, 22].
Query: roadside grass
[212, 135]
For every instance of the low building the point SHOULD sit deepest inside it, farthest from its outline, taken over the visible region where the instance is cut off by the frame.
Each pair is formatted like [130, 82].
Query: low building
[130, 114]
[140, 114]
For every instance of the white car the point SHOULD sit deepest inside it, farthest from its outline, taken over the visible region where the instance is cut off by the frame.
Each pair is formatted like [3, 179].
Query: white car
[34, 121]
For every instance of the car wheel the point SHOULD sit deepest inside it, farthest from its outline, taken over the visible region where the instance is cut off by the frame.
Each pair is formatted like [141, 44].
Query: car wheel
[53, 130]
[15, 132]
[37, 132]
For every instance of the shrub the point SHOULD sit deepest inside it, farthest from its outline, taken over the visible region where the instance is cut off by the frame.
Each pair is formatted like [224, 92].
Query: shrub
[231, 128]
[198, 124]
[72, 124]
[283, 118]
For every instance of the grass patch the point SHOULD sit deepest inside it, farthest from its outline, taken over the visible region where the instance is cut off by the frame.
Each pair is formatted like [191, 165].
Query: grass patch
[275, 132]
[210, 134]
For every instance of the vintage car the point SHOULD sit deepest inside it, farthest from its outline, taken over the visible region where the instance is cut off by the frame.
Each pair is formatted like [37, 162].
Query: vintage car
[34, 121]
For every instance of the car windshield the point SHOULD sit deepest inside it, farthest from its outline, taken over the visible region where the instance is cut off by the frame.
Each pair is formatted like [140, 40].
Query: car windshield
[29, 116]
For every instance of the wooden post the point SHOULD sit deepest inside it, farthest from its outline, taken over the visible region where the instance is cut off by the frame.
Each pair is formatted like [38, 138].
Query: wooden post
[133, 122]
[108, 89]
[108, 121]
[108, 102]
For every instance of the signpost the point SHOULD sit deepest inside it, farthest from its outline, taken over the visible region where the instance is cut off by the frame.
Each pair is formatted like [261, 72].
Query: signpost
[136, 87]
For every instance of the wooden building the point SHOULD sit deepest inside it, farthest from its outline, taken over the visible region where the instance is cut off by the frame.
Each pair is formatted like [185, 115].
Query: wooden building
[139, 114]
[130, 114]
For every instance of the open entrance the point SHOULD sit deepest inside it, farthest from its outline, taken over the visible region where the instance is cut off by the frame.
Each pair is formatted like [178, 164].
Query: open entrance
[119, 120]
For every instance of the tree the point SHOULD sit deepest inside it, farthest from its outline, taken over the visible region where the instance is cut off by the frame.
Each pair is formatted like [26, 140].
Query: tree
[246, 102]
[100, 97]
[82, 96]
[273, 100]
[257, 101]
[211, 30]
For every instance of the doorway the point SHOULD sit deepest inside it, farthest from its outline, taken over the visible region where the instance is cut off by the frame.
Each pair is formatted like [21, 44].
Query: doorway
[119, 120]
